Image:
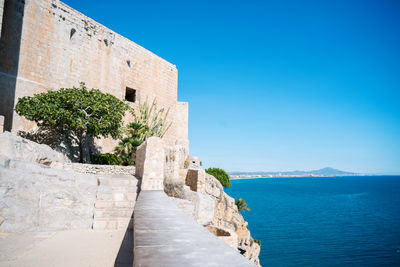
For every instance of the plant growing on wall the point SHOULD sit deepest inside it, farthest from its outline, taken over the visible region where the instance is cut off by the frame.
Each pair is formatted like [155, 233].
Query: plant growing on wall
[147, 121]
[220, 175]
[106, 159]
[241, 205]
[257, 242]
[88, 113]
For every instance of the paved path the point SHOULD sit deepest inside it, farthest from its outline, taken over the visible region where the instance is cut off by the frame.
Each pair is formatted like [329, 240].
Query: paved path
[165, 236]
[83, 248]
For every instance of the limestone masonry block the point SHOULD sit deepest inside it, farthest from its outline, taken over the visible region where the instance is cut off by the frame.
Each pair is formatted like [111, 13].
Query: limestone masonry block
[17, 148]
[122, 204]
[150, 157]
[119, 196]
[1, 121]
[195, 179]
[103, 204]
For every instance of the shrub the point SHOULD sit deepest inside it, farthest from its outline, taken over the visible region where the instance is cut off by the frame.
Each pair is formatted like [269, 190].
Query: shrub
[106, 159]
[86, 113]
[220, 175]
[241, 205]
[148, 121]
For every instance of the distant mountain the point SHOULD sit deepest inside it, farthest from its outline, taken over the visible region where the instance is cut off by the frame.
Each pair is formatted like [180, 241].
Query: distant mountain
[323, 172]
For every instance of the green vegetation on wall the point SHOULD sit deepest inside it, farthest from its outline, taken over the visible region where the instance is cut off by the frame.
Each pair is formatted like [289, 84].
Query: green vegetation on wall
[87, 113]
[241, 205]
[220, 175]
[148, 121]
[106, 159]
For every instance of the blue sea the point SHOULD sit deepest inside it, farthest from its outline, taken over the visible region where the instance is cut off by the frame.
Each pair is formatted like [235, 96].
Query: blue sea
[340, 221]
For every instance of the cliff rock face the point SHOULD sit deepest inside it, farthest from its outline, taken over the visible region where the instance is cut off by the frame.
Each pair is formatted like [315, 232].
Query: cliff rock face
[202, 196]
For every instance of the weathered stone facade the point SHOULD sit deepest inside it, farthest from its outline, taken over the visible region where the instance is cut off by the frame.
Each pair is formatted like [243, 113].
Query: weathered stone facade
[46, 45]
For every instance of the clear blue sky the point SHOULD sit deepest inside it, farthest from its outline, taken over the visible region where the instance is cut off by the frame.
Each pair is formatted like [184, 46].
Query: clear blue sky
[277, 85]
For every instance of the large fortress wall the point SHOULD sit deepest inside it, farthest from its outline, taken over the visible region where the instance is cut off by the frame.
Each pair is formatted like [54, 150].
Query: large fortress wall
[60, 47]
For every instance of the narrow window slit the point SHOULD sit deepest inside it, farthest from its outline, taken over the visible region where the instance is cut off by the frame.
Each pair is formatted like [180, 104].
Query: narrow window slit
[130, 95]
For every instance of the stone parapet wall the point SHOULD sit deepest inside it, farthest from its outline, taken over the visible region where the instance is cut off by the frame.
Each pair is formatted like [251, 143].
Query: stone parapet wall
[202, 196]
[166, 236]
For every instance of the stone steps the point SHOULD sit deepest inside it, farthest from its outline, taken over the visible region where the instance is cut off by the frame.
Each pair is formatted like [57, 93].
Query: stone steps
[115, 200]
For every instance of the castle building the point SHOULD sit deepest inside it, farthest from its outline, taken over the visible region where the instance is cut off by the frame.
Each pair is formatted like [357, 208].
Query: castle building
[47, 45]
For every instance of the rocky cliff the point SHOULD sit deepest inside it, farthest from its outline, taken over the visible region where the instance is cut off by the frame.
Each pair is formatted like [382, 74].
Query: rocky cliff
[202, 196]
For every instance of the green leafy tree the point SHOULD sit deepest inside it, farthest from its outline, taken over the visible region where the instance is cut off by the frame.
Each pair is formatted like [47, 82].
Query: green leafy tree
[147, 121]
[87, 113]
[220, 175]
[241, 205]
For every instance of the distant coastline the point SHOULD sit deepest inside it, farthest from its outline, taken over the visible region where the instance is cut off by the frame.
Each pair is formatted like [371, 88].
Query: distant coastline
[324, 172]
[239, 177]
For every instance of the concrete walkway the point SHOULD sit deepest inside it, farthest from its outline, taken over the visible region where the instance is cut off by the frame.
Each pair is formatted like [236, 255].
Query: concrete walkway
[83, 248]
[165, 236]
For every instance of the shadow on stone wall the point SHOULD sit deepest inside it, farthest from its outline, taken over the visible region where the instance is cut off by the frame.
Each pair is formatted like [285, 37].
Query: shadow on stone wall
[125, 253]
[59, 139]
[10, 42]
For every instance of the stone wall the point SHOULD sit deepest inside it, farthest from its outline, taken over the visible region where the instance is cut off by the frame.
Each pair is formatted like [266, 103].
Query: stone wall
[1, 13]
[166, 236]
[35, 198]
[181, 124]
[202, 196]
[1, 124]
[17, 148]
[47, 45]
[40, 190]
[97, 169]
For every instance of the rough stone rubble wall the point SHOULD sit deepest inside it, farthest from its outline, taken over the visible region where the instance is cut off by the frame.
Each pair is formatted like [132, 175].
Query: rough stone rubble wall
[60, 47]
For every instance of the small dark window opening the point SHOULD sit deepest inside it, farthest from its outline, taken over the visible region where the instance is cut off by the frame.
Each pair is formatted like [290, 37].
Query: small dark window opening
[72, 33]
[130, 95]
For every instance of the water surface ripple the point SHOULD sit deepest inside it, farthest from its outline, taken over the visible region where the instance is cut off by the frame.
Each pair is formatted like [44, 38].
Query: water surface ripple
[341, 221]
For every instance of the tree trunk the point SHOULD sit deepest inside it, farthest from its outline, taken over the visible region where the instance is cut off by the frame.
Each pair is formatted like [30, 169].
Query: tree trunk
[84, 148]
